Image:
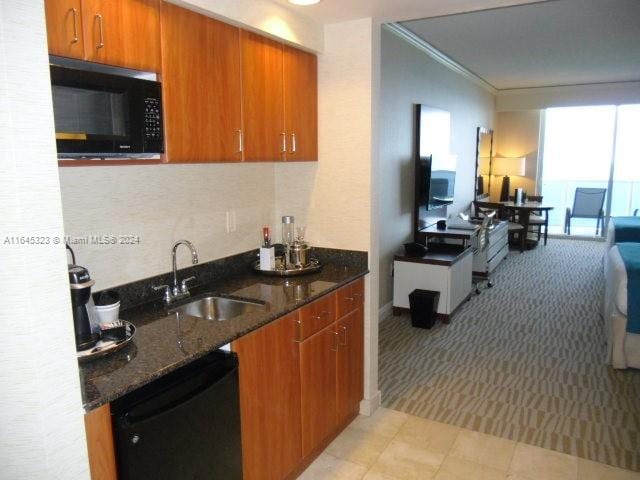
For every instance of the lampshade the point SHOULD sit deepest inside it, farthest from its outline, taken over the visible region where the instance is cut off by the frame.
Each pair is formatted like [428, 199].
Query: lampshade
[483, 166]
[508, 166]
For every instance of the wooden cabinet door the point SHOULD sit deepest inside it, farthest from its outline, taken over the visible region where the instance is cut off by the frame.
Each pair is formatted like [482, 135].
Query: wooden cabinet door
[125, 33]
[301, 104]
[318, 387]
[262, 98]
[350, 367]
[270, 400]
[201, 87]
[64, 28]
[100, 444]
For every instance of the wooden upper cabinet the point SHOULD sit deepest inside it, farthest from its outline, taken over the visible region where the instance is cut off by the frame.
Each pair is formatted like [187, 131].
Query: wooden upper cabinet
[270, 400]
[263, 98]
[201, 87]
[301, 104]
[350, 367]
[125, 33]
[64, 28]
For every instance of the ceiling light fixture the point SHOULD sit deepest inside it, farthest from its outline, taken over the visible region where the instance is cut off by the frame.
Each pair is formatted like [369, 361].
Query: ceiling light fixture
[304, 2]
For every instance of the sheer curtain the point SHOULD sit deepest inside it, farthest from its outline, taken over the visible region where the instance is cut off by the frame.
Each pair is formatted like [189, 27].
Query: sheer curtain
[625, 196]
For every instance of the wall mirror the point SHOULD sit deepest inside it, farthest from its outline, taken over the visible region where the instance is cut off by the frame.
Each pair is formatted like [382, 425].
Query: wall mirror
[484, 146]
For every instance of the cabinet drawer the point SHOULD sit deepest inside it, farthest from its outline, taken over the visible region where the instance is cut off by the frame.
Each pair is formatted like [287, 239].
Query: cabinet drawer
[493, 262]
[496, 247]
[350, 297]
[317, 315]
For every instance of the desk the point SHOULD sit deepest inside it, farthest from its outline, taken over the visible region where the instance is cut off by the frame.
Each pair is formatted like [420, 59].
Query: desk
[524, 211]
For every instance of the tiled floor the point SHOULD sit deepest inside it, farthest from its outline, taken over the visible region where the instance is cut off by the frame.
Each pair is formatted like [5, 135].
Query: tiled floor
[391, 445]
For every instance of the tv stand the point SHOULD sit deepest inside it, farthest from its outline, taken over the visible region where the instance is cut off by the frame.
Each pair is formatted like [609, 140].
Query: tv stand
[445, 268]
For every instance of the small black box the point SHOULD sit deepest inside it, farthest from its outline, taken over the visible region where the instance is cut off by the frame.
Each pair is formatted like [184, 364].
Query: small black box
[424, 308]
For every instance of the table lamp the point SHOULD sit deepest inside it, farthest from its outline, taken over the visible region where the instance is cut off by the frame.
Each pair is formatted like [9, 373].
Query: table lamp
[507, 166]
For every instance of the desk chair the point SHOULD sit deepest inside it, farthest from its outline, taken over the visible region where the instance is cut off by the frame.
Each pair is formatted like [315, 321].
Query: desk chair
[587, 203]
[539, 219]
[480, 208]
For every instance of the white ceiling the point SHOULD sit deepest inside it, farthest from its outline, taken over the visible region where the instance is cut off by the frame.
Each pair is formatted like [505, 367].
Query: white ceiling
[562, 42]
[333, 11]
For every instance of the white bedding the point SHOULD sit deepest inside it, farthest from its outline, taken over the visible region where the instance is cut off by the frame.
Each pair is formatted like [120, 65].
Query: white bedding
[623, 348]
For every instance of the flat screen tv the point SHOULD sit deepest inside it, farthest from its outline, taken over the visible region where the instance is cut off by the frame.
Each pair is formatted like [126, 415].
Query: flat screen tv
[435, 166]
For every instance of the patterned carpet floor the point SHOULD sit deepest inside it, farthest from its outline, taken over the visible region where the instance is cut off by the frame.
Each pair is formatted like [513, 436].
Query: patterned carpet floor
[523, 360]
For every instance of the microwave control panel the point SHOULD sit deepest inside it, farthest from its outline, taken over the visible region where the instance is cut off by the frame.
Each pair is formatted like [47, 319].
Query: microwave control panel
[152, 119]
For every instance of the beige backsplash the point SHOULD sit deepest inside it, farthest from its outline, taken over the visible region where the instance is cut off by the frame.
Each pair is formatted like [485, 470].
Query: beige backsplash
[162, 204]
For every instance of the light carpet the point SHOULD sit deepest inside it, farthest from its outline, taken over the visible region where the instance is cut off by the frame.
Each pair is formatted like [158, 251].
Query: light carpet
[524, 360]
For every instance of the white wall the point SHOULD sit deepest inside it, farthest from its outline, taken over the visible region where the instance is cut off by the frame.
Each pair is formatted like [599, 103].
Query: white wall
[263, 16]
[568, 96]
[41, 423]
[162, 204]
[410, 77]
[334, 197]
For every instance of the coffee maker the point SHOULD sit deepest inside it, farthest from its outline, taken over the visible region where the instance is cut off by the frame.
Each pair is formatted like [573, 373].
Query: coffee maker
[81, 302]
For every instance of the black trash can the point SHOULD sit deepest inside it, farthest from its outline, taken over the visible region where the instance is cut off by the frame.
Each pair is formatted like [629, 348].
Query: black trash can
[424, 308]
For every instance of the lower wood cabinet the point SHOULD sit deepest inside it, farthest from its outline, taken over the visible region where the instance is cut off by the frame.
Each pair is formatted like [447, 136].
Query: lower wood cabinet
[270, 400]
[350, 365]
[314, 355]
[318, 360]
[100, 444]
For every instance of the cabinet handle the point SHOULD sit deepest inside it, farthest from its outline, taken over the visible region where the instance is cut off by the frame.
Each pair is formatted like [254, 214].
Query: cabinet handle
[240, 141]
[337, 340]
[293, 143]
[101, 43]
[74, 12]
[346, 338]
[322, 314]
[284, 142]
[299, 327]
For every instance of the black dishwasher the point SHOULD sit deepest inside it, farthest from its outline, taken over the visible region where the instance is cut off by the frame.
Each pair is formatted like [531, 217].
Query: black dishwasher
[185, 425]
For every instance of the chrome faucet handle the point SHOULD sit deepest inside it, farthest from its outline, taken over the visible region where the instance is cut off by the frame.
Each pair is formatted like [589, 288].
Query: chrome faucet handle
[167, 292]
[183, 284]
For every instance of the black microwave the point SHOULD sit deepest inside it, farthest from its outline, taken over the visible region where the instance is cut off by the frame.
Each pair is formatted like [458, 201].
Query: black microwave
[105, 115]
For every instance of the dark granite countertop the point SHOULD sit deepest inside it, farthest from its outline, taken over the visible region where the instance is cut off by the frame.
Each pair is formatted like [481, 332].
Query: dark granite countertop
[164, 342]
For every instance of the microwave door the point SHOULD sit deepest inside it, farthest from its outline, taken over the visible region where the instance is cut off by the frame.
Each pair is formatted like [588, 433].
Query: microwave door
[93, 121]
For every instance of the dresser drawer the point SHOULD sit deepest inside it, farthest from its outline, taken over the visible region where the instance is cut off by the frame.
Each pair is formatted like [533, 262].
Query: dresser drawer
[497, 258]
[350, 297]
[317, 315]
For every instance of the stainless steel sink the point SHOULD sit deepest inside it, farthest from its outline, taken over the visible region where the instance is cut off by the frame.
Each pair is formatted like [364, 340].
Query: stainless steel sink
[218, 308]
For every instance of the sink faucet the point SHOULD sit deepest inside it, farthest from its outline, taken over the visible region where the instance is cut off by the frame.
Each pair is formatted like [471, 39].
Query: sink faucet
[178, 291]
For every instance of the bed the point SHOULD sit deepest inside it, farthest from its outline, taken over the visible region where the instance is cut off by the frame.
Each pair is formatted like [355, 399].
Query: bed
[623, 348]
[623, 229]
